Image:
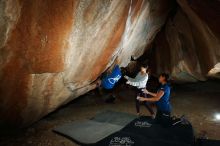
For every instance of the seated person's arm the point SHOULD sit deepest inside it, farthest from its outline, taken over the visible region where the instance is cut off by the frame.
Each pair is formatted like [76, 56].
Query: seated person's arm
[155, 98]
[150, 93]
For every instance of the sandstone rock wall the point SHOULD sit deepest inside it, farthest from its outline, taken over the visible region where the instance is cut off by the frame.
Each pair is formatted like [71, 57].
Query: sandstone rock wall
[51, 51]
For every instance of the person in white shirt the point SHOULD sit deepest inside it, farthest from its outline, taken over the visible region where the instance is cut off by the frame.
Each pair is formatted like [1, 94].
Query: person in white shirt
[140, 82]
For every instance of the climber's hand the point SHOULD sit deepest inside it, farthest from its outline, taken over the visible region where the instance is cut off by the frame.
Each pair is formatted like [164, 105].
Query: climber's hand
[126, 77]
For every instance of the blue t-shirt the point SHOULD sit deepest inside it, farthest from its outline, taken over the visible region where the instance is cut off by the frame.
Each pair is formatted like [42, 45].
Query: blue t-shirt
[164, 103]
[109, 81]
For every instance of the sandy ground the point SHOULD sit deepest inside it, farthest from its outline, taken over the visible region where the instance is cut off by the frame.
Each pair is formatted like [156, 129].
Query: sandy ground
[199, 102]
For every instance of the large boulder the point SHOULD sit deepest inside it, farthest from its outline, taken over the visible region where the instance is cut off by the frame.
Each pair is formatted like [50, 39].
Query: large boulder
[51, 51]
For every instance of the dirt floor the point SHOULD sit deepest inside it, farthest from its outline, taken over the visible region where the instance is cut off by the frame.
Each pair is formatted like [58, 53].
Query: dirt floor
[199, 102]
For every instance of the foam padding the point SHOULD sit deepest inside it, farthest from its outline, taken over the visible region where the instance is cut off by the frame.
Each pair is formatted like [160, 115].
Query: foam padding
[113, 117]
[87, 132]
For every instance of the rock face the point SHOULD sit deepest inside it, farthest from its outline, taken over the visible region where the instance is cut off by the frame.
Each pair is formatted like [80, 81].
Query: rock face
[52, 51]
[188, 47]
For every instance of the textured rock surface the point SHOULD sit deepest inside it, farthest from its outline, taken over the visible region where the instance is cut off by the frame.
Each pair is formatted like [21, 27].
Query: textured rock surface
[52, 51]
[189, 45]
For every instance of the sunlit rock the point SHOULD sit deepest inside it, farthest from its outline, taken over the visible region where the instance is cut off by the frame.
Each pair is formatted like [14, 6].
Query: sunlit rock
[51, 51]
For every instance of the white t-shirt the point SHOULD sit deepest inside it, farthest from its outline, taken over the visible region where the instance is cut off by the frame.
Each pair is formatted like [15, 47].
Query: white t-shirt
[139, 81]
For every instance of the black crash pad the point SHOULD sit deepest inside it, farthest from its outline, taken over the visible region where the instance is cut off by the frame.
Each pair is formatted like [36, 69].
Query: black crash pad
[144, 131]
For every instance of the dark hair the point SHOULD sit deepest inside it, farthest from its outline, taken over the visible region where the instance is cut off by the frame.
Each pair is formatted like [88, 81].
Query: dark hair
[166, 76]
[144, 65]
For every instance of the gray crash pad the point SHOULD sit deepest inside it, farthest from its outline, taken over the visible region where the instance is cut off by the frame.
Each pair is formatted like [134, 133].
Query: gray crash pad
[113, 117]
[96, 129]
[87, 132]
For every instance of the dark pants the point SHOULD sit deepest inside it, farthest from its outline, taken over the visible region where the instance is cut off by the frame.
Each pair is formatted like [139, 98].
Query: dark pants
[139, 92]
[163, 118]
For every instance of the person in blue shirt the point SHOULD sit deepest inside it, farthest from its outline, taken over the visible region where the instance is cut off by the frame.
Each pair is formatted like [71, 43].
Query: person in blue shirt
[109, 80]
[161, 98]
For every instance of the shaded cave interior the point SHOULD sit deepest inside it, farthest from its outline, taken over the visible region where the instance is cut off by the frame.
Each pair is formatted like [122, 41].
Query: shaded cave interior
[161, 57]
